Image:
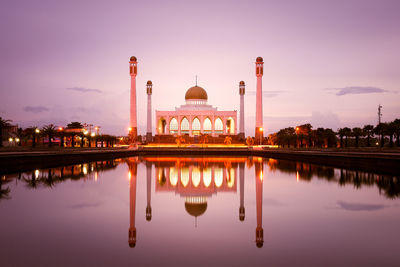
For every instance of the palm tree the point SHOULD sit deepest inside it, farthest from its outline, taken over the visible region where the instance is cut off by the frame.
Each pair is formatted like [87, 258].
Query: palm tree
[391, 130]
[396, 124]
[20, 135]
[341, 133]
[50, 131]
[3, 124]
[357, 132]
[347, 133]
[380, 129]
[368, 130]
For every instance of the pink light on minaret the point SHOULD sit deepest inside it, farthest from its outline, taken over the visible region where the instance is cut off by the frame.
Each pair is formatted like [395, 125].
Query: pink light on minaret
[149, 134]
[259, 108]
[241, 93]
[133, 116]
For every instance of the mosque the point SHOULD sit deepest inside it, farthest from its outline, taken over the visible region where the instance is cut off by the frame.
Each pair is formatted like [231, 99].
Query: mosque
[195, 117]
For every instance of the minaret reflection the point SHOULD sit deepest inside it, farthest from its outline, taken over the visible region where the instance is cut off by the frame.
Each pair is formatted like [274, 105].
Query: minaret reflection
[132, 203]
[259, 195]
[148, 175]
[241, 208]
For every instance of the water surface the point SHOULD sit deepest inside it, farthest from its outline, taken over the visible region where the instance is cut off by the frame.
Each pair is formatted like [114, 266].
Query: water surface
[199, 212]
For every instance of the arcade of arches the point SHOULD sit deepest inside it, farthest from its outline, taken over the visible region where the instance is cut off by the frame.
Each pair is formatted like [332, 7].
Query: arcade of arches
[196, 117]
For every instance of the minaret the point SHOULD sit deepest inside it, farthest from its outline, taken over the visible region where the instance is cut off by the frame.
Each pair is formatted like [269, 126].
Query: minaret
[132, 203]
[148, 174]
[241, 208]
[259, 108]
[241, 93]
[149, 134]
[133, 116]
[259, 197]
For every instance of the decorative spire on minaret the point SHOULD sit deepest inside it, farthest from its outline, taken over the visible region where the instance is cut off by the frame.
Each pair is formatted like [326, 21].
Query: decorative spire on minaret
[148, 176]
[149, 134]
[133, 116]
[259, 109]
[259, 196]
[241, 176]
[241, 93]
[132, 202]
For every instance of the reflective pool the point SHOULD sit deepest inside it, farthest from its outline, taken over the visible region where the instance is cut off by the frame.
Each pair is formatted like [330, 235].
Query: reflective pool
[217, 211]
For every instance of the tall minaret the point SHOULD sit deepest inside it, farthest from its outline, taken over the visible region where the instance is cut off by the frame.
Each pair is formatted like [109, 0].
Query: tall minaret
[148, 174]
[241, 93]
[133, 116]
[259, 197]
[149, 134]
[259, 109]
[132, 203]
[241, 176]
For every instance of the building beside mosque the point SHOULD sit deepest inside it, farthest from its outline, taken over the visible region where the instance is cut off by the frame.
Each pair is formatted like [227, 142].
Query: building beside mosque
[196, 117]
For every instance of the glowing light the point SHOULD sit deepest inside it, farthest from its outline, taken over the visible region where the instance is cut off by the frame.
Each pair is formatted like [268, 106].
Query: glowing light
[10, 139]
[84, 170]
[207, 177]
[377, 143]
[36, 173]
[60, 128]
[297, 176]
[37, 130]
[261, 129]
[129, 175]
[173, 176]
[92, 134]
[85, 132]
[129, 129]
[95, 176]
[196, 177]
[218, 177]
[185, 176]
[121, 138]
[231, 178]
[261, 175]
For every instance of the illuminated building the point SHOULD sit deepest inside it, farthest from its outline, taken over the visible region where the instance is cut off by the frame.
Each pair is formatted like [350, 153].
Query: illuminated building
[259, 106]
[196, 117]
[133, 116]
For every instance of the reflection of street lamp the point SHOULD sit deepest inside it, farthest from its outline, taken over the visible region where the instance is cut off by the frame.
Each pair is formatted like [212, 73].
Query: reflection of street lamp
[261, 134]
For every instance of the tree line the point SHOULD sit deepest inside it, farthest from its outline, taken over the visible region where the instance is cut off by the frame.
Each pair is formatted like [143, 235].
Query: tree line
[386, 133]
[73, 135]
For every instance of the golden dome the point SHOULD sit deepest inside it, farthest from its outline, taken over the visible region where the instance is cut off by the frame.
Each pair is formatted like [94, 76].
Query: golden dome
[196, 92]
[259, 59]
[133, 58]
[196, 209]
[149, 83]
[241, 83]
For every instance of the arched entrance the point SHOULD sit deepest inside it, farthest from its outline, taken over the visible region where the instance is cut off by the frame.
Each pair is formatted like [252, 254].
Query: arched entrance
[207, 126]
[173, 126]
[161, 125]
[219, 126]
[196, 126]
[185, 126]
[230, 126]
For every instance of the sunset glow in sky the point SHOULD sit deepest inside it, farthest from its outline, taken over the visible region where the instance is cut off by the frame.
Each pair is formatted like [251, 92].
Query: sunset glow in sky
[329, 63]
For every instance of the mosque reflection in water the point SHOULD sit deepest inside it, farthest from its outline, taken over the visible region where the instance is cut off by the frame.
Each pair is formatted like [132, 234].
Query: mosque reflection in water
[196, 180]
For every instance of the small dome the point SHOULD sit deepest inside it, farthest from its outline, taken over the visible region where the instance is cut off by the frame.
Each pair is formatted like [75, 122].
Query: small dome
[196, 92]
[259, 59]
[259, 244]
[132, 244]
[196, 209]
[149, 83]
[241, 83]
[133, 58]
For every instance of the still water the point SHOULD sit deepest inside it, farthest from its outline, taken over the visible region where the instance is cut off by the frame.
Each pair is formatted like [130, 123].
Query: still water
[199, 212]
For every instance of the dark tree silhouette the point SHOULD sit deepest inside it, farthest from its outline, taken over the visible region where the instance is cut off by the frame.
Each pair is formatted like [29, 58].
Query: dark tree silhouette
[3, 124]
[368, 130]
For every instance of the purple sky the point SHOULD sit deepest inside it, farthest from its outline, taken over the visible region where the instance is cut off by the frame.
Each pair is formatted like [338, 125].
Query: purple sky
[326, 62]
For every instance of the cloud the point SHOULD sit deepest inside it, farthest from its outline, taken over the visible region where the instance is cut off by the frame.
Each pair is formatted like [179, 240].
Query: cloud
[84, 90]
[35, 109]
[355, 90]
[85, 205]
[267, 94]
[359, 206]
